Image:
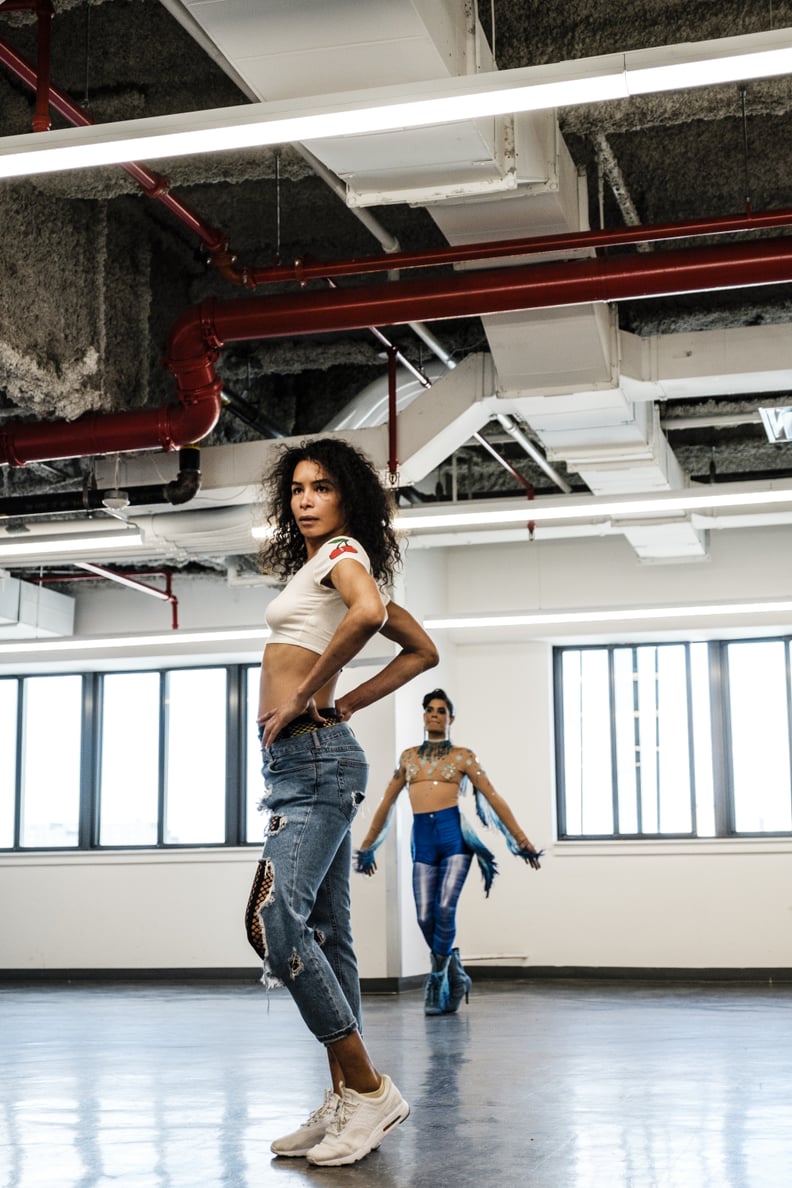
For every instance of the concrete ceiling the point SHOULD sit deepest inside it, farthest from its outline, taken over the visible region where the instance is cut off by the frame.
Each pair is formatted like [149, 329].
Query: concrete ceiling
[95, 274]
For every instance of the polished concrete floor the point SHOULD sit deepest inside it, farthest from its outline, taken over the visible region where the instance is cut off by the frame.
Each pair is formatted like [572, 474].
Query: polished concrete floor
[549, 1084]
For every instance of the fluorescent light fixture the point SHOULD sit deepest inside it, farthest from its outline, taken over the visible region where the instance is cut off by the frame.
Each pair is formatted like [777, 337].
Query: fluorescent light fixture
[618, 615]
[689, 67]
[52, 543]
[175, 639]
[397, 108]
[777, 423]
[691, 499]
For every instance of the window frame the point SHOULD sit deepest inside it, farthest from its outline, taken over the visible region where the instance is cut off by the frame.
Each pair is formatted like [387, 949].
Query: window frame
[720, 742]
[238, 721]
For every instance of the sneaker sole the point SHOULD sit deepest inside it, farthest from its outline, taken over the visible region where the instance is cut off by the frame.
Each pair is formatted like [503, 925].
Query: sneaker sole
[399, 1115]
[303, 1151]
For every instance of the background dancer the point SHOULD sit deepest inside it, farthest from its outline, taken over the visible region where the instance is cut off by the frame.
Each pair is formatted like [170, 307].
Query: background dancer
[443, 842]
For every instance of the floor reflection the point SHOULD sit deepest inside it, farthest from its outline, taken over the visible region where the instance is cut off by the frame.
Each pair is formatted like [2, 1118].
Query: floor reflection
[556, 1085]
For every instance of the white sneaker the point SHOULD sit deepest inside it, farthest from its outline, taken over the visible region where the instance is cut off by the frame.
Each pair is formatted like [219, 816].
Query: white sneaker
[312, 1131]
[359, 1125]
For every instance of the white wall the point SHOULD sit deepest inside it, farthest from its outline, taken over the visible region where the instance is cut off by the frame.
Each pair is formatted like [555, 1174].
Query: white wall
[688, 905]
[684, 905]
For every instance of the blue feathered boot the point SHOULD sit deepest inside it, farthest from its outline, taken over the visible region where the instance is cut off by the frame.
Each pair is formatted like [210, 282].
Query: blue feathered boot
[436, 987]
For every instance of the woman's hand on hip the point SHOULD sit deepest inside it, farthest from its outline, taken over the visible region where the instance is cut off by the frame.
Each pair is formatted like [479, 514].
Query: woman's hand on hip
[343, 709]
[274, 720]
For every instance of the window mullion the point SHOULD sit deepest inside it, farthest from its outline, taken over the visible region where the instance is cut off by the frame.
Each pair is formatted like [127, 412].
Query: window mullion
[561, 726]
[236, 701]
[18, 773]
[789, 707]
[162, 763]
[691, 743]
[721, 741]
[637, 757]
[613, 748]
[659, 815]
[88, 826]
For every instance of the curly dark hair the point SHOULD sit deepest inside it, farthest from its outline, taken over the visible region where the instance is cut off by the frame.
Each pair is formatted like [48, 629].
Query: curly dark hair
[368, 507]
[438, 695]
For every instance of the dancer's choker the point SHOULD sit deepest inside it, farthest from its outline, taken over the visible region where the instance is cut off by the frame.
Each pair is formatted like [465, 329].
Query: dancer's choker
[429, 749]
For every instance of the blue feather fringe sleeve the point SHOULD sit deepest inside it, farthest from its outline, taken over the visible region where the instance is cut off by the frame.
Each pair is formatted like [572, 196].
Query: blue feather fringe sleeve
[485, 858]
[487, 815]
[364, 859]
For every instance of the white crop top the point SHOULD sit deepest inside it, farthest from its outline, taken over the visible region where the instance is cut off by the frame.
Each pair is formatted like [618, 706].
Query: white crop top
[307, 613]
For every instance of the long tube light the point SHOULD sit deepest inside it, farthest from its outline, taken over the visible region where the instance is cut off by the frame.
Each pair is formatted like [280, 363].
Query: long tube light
[615, 615]
[590, 508]
[176, 640]
[690, 499]
[396, 108]
[21, 547]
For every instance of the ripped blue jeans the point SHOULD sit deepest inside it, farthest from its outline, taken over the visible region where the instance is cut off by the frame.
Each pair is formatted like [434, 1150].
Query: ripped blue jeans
[314, 785]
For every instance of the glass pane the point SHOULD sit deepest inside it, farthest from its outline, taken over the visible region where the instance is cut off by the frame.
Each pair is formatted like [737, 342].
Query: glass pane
[652, 740]
[760, 736]
[254, 783]
[128, 776]
[195, 756]
[649, 734]
[665, 742]
[628, 751]
[8, 748]
[588, 782]
[51, 739]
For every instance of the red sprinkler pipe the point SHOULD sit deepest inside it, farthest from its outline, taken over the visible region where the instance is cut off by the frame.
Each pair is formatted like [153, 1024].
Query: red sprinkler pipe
[393, 440]
[167, 428]
[504, 461]
[533, 286]
[126, 579]
[153, 184]
[306, 270]
[201, 331]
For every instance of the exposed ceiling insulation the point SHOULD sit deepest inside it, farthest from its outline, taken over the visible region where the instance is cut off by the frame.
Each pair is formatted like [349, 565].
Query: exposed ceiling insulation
[96, 274]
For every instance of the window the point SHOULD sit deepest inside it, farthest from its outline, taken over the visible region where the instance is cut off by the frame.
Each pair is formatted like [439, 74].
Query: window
[759, 718]
[674, 740]
[195, 758]
[161, 758]
[50, 761]
[129, 769]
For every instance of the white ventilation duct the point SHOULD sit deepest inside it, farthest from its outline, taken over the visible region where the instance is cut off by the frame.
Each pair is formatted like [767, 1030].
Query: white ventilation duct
[29, 611]
[480, 180]
[370, 406]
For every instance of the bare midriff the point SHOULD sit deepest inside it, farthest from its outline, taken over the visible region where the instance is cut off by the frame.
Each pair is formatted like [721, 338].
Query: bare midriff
[430, 796]
[283, 668]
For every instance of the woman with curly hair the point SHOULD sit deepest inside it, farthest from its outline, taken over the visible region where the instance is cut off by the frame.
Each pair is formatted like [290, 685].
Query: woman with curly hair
[334, 542]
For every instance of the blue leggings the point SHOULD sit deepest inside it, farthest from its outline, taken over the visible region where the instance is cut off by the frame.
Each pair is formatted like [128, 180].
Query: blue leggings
[441, 861]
